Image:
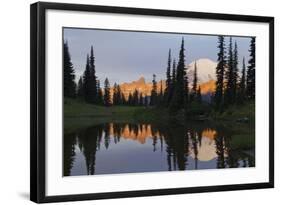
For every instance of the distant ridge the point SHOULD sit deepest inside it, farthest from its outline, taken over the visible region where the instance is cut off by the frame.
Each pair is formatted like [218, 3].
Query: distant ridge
[206, 70]
[141, 86]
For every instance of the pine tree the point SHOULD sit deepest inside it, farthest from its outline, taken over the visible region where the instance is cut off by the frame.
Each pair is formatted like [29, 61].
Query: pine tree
[174, 71]
[123, 99]
[99, 94]
[135, 98]
[153, 96]
[68, 73]
[180, 94]
[185, 80]
[186, 90]
[218, 97]
[80, 89]
[235, 72]
[93, 78]
[106, 96]
[173, 80]
[160, 95]
[119, 95]
[242, 84]
[87, 80]
[130, 99]
[141, 100]
[146, 101]
[194, 85]
[229, 76]
[167, 92]
[251, 81]
[198, 95]
[115, 95]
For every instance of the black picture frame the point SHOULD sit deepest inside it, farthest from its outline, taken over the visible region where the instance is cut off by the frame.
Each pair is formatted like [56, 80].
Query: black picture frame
[38, 100]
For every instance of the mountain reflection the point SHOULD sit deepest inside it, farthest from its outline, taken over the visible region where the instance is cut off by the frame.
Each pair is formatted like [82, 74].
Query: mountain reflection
[123, 148]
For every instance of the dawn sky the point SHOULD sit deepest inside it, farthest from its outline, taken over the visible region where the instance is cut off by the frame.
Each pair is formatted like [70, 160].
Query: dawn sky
[124, 56]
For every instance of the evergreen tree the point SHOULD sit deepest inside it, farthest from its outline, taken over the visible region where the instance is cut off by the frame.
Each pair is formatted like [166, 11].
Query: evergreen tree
[69, 85]
[242, 84]
[153, 96]
[167, 92]
[173, 80]
[180, 93]
[130, 99]
[93, 78]
[87, 80]
[186, 90]
[160, 95]
[80, 90]
[251, 81]
[194, 85]
[106, 96]
[115, 97]
[198, 95]
[218, 97]
[235, 71]
[119, 95]
[135, 97]
[229, 90]
[146, 101]
[123, 99]
[141, 100]
[99, 94]
[174, 72]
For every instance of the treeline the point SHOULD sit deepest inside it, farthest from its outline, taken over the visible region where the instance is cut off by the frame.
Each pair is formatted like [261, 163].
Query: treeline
[233, 86]
[89, 89]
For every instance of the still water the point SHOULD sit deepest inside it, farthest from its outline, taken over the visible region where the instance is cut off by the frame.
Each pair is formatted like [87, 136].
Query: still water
[113, 148]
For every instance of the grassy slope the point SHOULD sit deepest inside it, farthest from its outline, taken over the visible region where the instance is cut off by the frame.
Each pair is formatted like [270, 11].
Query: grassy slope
[76, 108]
[78, 114]
[235, 112]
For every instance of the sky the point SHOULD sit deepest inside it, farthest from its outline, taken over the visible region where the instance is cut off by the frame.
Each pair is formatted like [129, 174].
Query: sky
[124, 56]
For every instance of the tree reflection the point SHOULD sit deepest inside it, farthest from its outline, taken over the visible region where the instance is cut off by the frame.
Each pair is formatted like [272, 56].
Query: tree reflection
[69, 153]
[182, 144]
[194, 140]
[220, 150]
[177, 146]
[90, 140]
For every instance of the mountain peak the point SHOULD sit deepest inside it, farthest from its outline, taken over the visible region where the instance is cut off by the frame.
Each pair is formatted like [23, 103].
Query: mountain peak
[141, 80]
[206, 70]
[204, 60]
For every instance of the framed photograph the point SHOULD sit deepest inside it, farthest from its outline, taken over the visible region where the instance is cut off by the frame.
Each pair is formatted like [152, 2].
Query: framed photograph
[129, 102]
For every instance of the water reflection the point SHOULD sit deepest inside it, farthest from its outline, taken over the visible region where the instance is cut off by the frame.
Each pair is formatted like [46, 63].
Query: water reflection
[123, 148]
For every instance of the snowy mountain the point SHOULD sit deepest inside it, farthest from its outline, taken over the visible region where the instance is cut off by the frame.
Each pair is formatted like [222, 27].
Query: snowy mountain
[206, 70]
